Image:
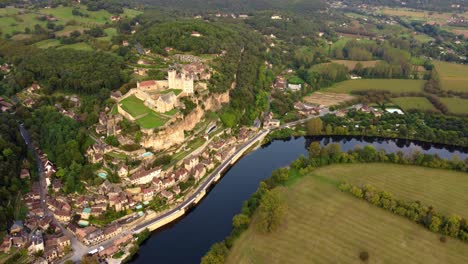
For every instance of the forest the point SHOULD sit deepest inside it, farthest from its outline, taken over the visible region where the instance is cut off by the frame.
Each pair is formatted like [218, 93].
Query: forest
[300, 6]
[86, 72]
[12, 153]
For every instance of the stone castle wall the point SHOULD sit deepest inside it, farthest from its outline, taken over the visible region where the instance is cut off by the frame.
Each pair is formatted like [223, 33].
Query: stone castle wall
[174, 134]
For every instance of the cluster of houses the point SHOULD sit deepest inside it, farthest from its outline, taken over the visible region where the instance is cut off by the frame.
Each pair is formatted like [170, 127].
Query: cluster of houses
[362, 108]
[38, 233]
[5, 68]
[282, 84]
[269, 121]
[109, 124]
[306, 109]
[4, 105]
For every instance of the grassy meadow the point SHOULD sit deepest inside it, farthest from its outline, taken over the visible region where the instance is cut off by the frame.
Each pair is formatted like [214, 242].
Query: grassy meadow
[452, 76]
[391, 85]
[324, 225]
[445, 190]
[16, 20]
[455, 105]
[417, 103]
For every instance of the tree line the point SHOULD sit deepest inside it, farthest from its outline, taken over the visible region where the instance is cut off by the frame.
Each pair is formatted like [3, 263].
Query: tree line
[427, 216]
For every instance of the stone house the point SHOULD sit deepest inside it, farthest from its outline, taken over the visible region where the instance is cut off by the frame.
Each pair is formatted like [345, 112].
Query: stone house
[198, 172]
[191, 162]
[123, 171]
[167, 195]
[145, 176]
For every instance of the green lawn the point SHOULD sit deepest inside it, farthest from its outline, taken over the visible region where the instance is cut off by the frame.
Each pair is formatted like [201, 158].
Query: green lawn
[453, 76]
[11, 20]
[77, 46]
[324, 225]
[131, 13]
[134, 106]
[455, 105]
[151, 120]
[172, 112]
[392, 85]
[69, 29]
[176, 91]
[48, 43]
[418, 103]
[110, 32]
[117, 155]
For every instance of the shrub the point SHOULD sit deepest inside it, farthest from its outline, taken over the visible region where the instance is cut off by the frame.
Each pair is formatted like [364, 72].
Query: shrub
[364, 255]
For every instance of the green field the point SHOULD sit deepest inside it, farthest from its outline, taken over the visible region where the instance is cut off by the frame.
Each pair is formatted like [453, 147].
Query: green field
[13, 20]
[453, 76]
[110, 32]
[418, 103]
[324, 225]
[134, 106]
[48, 43]
[443, 189]
[77, 46]
[455, 105]
[151, 120]
[392, 85]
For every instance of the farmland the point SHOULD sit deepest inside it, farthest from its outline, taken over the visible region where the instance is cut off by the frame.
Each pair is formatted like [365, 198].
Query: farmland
[391, 85]
[452, 76]
[417, 103]
[327, 99]
[324, 225]
[455, 105]
[443, 189]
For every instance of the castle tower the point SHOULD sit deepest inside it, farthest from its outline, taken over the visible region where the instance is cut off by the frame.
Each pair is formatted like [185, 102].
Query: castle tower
[187, 82]
[171, 74]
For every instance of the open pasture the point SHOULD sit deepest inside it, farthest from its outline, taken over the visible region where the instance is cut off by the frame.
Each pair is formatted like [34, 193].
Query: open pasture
[324, 225]
[391, 85]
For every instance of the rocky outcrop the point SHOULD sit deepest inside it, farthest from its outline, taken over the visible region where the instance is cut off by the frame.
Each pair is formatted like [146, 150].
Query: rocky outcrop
[174, 134]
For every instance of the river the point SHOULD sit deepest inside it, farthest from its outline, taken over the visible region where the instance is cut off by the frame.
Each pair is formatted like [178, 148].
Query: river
[188, 239]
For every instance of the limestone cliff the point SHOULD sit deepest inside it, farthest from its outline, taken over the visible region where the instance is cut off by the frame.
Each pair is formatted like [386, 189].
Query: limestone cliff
[174, 134]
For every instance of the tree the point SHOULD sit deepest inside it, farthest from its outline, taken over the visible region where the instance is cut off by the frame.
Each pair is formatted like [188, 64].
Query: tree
[364, 255]
[452, 226]
[86, 259]
[270, 211]
[435, 224]
[216, 255]
[314, 126]
[314, 149]
[240, 222]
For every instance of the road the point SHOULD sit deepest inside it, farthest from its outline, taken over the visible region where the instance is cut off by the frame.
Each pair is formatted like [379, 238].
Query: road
[76, 245]
[40, 168]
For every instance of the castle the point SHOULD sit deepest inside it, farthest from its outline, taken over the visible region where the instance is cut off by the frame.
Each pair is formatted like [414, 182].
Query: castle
[180, 81]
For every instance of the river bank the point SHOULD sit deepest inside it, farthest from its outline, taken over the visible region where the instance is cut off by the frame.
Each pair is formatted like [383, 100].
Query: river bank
[187, 239]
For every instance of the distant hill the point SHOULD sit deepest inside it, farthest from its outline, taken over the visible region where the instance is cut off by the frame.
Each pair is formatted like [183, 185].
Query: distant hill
[299, 6]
